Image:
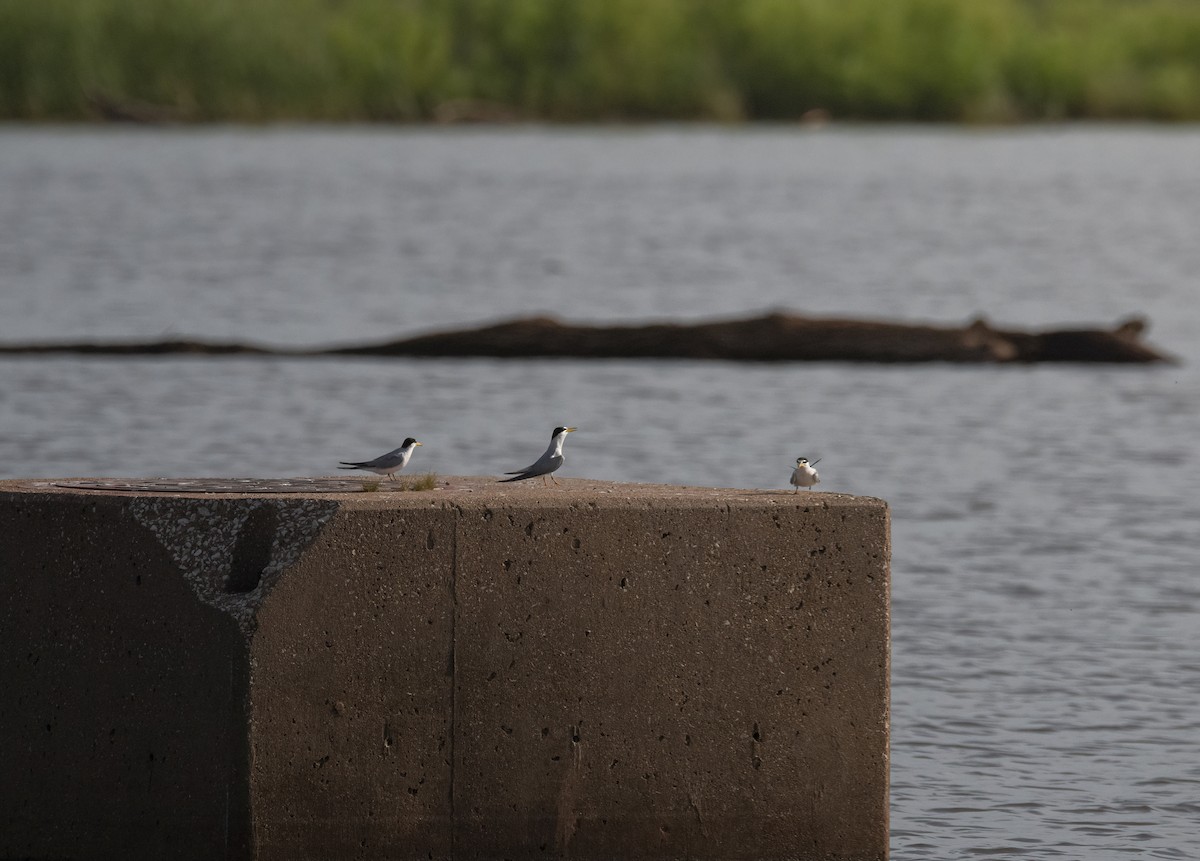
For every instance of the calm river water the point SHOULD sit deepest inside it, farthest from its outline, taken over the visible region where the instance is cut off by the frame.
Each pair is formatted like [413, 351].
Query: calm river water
[1046, 698]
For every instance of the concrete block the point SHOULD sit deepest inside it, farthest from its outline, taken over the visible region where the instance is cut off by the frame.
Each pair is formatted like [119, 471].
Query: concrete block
[483, 671]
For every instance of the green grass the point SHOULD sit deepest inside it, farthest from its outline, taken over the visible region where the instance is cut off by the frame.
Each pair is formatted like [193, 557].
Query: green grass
[600, 60]
[428, 481]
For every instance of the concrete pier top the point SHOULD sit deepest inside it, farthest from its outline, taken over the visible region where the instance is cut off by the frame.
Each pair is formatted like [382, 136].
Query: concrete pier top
[247, 669]
[449, 490]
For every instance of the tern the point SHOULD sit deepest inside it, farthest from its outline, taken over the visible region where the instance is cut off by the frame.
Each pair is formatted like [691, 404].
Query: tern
[548, 462]
[386, 464]
[804, 475]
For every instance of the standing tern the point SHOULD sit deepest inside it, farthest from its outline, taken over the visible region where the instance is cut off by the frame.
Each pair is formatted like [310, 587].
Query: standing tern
[548, 462]
[386, 464]
[804, 475]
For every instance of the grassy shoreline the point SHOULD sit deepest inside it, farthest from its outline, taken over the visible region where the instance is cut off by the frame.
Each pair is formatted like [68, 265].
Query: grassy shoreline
[599, 60]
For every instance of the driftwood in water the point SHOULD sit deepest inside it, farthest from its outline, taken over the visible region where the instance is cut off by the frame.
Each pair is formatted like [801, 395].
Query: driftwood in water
[781, 338]
[170, 347]
[771, 338]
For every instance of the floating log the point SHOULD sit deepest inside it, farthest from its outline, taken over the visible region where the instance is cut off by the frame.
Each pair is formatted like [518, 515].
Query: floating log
[779, 337]
[166, 347]
[776, 337]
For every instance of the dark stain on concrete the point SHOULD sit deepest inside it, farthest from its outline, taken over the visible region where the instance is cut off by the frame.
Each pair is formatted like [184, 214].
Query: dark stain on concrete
[252, 550]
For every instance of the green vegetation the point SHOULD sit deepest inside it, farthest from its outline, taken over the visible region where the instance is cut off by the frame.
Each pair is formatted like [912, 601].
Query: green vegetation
[597, 60]
[428, 481]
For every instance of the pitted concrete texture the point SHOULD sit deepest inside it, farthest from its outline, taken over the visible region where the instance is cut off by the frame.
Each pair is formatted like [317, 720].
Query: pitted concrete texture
[481, 671]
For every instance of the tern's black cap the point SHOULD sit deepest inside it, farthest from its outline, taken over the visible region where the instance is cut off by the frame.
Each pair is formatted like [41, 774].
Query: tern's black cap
[557, 431]
[408, 442]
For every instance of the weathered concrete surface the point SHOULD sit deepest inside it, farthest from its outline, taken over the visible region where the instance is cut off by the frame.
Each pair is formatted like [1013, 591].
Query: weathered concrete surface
[483, 671]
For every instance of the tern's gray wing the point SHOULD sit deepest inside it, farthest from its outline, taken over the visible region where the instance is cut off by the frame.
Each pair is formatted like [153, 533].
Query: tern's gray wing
[545, 465]
[384, 461]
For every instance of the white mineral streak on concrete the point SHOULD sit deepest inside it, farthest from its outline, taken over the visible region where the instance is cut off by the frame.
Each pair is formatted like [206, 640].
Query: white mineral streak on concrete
[200, 535]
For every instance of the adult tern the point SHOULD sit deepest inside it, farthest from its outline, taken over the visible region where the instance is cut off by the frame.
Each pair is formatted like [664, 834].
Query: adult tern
[804, 475]
[548, 462]
[386, 464]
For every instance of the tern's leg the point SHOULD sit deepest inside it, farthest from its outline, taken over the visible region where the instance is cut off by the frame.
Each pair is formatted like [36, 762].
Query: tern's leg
[555, 480]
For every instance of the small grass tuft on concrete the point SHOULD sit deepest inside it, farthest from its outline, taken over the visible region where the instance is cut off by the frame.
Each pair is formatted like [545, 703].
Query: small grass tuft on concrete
[428, 481]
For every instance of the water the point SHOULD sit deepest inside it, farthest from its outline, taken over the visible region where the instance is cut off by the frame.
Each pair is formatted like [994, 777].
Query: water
[1046, 698]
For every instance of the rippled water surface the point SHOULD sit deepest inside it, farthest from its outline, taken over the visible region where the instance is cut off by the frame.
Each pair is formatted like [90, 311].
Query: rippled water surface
[1046, 681]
